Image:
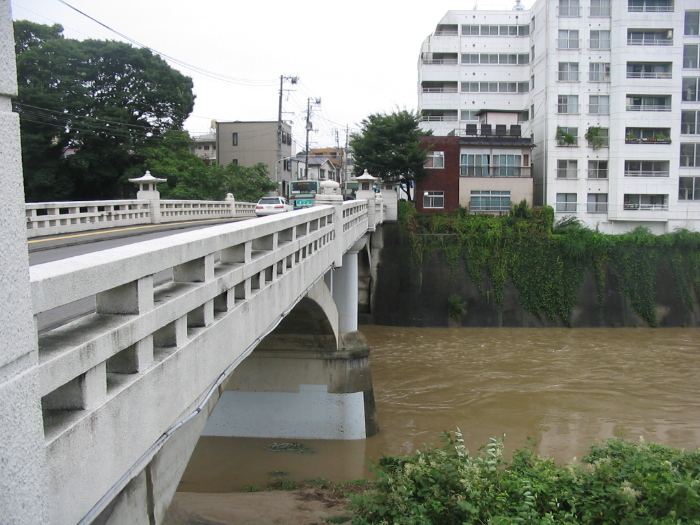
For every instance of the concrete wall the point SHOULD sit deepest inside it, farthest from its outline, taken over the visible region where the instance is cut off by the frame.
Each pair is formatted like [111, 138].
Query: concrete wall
[23, 484]
[404, 295]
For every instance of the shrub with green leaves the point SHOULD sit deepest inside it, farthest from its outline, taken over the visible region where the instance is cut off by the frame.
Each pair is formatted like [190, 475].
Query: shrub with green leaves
[618, 482]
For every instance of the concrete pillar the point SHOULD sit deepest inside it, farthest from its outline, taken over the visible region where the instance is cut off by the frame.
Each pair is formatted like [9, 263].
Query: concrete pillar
[345, 286]
[24, 491]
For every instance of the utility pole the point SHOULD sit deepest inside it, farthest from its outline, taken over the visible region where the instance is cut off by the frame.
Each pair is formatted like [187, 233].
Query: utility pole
[308, 128]
[293, 80]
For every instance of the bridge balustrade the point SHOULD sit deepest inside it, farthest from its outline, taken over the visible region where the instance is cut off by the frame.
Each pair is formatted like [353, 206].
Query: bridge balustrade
[95, 371]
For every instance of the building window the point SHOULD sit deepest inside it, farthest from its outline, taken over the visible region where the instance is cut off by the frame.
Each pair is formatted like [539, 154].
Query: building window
[600, 40]
[469, 114]
[568, 71]
[690, 89]
[599, 104]
[597, 203]
[647, 168]
[287, 165]
[647, 135]
[690, 155]
[600, 8]
[599, 72]
[597, 169]
[650, 37]
[690, 122]
[568, 39]
[433, 199]
[495, 58]
[569, 8]
[567, 136]
[234, 161]
[692, 23]
[234, 139]
[645, 202]
[486, 200]
[648, 103]
[566, 202]
[567, 169]
[506, 165]
[567, 104]
[476, 30]
[495, 87]
[474, 165]
[649, 69]
[436, 160]
[690, 56]
[654, 6]
[689, 189]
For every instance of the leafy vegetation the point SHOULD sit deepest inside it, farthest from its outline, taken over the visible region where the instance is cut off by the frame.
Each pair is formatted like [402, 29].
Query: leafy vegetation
[547, 264]
[618, 482]
[388, 147]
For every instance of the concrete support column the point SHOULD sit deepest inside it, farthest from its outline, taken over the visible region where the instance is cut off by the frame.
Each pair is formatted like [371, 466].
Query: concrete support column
[345, 287]
[24, 488]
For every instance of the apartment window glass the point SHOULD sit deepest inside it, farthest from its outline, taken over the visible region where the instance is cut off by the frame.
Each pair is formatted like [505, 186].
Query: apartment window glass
[597, 169]
[436, 160]
[568, 71]
[689, 189]
[600, 39]
[653, 6]
[567, 104]
[567, 169]
[597, 203]
[567, 136]
[646, 168]
[692, 23]
[599, 72]
[690, 89]
[599, 104]
[645, 202]
[690, 155]
[487, 200]
[690, 56]
[648, 103]
[690, 122]
[649, 69]
[474, 165]
[566, 202]
[234, 139]
[469, 114]
[569, 8]
[600, 7]
[433, 199]
[506, 165]
[568, 39]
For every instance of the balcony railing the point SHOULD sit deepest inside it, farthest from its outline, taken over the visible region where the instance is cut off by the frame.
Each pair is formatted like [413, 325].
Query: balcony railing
[650, 41]
[441, 61]
[654, 207]
[650, 9]
[439, 118]
[440, 90]
[637, 140]
[648, 107]
[647, 173]
[649, 74]
[450, 32]
[499, 171]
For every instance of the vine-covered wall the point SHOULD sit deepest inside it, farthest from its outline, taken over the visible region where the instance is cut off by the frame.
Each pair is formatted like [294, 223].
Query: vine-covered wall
[515, 270]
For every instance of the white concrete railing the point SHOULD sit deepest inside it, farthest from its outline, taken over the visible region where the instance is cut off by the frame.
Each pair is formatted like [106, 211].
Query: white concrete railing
[114, 381]
[56, 218]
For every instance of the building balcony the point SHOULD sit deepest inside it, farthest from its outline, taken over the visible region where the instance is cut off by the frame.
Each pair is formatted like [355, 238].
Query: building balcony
[637, 140]
[497, 171]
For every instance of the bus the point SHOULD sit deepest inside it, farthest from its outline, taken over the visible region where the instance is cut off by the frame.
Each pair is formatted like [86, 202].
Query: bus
[301, 193]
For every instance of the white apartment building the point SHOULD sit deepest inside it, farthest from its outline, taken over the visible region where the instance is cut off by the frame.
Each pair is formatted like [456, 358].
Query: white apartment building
[609, 91]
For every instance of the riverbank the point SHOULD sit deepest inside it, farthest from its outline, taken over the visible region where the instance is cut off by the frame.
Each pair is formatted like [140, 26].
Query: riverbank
[308, 505]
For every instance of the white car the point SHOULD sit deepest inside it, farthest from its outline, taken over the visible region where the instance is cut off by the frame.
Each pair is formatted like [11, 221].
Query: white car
[272, 205]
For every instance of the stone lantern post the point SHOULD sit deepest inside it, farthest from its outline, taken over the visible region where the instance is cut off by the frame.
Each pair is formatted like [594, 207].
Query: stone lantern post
[148, 190]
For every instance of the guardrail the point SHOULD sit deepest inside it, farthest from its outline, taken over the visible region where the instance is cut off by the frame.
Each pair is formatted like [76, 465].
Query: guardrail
[56, 218]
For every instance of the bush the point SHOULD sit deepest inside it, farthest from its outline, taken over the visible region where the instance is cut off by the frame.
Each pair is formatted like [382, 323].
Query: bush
[618, 482]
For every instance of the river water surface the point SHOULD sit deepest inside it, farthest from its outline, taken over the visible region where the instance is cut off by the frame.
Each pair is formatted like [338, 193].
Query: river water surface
[561, 389]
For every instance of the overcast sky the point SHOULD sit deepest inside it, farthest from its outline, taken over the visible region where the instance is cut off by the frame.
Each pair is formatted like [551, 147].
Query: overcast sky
[358, 57]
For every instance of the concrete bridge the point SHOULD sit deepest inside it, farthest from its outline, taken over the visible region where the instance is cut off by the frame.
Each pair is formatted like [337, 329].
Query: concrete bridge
[100, 415]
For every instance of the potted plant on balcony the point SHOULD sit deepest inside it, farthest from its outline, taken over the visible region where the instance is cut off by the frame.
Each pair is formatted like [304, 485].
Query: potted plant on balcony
[660, 137]
[564, 138]
[595, 137]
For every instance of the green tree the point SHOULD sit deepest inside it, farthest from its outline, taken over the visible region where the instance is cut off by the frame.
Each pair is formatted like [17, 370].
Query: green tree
[210, 182]
[88, 109]
[388, 147]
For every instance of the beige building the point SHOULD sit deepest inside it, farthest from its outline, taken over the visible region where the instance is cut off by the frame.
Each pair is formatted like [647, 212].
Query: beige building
[249, 143]
[204, 146]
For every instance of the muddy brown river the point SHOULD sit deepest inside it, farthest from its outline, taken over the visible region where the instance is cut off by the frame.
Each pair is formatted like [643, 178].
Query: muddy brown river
[561, 389]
